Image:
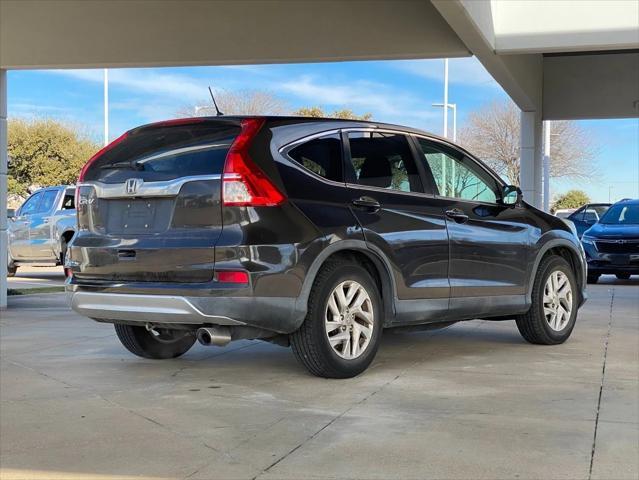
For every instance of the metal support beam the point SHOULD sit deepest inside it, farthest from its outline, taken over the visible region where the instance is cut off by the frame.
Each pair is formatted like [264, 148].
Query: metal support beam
[3, 189]
[531, 157]
[546, 166]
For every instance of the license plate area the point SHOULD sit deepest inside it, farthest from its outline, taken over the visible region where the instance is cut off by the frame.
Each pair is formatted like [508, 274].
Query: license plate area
[137, 216]
[620, 259]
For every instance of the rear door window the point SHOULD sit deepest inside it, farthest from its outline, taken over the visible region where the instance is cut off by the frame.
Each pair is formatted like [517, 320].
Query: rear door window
[322, 156]
[159, 153]
[69, 200]
[383, 160]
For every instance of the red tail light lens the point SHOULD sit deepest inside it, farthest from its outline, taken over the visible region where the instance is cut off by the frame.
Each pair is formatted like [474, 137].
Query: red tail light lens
[98, 155]
[243, 183]
[233, 276]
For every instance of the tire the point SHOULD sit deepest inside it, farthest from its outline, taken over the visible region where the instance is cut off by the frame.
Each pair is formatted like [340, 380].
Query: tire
[169, 344]
[67, 271]
[593, 278]
[622, 276]
[11, 271]
[534, 326]
[311, 343]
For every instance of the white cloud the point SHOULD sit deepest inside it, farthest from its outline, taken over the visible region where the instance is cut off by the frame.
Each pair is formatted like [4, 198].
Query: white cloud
[173, 91]
[461, 71]
[384, 102]
[151, 82]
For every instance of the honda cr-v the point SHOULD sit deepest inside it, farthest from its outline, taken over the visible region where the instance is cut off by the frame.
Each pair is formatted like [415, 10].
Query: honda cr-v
[313, 233]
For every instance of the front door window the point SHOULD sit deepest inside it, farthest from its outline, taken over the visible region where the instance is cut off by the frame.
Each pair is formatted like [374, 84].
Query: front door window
[458, 176]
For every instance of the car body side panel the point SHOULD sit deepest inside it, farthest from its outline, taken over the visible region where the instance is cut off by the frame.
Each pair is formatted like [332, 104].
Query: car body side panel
[284, 248]
[490, 252]
[41, 238]
[37, 237]
[19, 238]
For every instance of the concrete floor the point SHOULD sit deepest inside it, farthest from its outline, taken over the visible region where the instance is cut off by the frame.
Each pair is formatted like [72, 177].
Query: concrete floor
[470, 401]
[37, 277]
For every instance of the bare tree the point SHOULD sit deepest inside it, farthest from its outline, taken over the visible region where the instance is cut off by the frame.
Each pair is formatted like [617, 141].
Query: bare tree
[493, 134]
[243, 102]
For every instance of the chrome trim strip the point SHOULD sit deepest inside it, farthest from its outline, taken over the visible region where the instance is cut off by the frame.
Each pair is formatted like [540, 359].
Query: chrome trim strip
[167, 188]
[143, 308]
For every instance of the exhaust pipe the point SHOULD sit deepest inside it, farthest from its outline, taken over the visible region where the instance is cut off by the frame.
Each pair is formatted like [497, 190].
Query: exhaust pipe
[218, 336]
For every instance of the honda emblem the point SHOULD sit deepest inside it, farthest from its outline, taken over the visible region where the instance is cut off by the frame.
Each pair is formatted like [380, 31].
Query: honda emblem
[132, 185]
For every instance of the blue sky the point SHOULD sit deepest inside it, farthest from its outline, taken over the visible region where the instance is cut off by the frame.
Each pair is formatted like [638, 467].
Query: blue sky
[393, 91]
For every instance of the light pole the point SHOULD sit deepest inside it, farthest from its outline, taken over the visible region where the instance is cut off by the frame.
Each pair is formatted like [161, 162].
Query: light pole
[446, 97]
[452, 106]
[106, 106]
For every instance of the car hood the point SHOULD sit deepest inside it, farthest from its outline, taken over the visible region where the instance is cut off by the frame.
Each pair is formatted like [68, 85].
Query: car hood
[602, 230]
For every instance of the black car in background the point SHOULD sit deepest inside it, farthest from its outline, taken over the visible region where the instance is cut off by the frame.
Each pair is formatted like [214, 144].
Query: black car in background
[586, 216]
[314, 233]
[612, 244]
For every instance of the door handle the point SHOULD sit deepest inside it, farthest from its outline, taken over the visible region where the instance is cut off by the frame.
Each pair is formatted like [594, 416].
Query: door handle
[367, 203]
[457, 215]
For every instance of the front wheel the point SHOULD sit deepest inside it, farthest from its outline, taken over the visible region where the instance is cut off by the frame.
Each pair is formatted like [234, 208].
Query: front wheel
[553, 312]
[623, 276]
[11, 271]
[160, 343]
[343, 326]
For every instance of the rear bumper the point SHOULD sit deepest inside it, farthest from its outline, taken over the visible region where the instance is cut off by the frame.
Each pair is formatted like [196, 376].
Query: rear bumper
[276, 314]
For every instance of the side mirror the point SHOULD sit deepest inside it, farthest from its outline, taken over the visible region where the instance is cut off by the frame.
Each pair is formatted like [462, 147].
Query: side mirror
[11, 213]
[510, 195]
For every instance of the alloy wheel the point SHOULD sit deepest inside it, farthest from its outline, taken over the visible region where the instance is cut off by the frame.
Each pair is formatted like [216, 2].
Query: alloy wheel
[557, 300]
[349, 319]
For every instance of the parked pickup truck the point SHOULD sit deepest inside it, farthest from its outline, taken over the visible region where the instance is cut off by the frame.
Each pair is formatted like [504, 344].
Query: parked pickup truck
[41, 229]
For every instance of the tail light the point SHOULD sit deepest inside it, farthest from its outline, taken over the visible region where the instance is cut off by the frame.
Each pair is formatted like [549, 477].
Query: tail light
[233, 276]
[243, 183]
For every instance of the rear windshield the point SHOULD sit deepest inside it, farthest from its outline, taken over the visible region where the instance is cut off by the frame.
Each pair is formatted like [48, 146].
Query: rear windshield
[166, 153]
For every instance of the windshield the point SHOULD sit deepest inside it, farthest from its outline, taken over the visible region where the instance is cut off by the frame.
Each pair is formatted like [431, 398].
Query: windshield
[623, 214]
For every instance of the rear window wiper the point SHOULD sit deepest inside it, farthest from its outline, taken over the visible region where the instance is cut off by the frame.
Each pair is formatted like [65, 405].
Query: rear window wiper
[124, 165]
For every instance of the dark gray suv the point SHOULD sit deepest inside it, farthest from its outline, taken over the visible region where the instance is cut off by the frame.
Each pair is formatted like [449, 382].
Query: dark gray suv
[314, 233]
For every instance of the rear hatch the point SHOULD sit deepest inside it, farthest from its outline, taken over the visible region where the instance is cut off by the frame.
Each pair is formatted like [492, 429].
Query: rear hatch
[149, 204]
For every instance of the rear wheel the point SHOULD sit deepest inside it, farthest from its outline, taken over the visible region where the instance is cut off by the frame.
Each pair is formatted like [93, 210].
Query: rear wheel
[342, 330]
[159, 343]
[553, 312]
[623, 276]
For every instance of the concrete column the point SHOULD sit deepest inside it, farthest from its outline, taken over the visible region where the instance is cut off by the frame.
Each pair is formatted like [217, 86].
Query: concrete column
[531, 158]
[3, 189]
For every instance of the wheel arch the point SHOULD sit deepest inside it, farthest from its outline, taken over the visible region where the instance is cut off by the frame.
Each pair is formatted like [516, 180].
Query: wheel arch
[362, 253]
[563, 248]
[65, 238]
